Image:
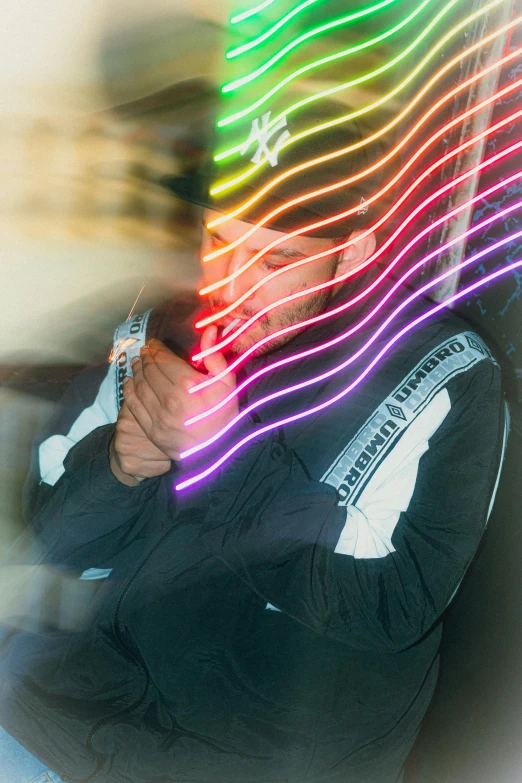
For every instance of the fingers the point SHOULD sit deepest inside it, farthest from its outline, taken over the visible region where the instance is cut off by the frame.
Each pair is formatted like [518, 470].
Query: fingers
[135, 406]
[145, 387]
[215, 363]
[158, 356]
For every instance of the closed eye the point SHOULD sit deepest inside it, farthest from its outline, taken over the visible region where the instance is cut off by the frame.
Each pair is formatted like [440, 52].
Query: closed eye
[267, 265]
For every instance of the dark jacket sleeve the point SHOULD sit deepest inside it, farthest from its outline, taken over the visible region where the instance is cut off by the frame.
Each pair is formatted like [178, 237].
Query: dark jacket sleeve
[87, 516]
[280, 531]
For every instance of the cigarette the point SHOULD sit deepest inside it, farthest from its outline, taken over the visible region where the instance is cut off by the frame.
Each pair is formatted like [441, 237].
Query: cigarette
[230, 326]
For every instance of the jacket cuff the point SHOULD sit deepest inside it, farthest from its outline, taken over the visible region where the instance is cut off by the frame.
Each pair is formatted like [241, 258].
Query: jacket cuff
[88, 465]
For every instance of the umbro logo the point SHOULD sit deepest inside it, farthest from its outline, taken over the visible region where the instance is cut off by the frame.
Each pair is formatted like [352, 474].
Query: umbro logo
[396, 411]
[475, 344]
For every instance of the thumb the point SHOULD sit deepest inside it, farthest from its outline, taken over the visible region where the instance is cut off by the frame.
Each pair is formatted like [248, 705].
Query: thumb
[215, 363]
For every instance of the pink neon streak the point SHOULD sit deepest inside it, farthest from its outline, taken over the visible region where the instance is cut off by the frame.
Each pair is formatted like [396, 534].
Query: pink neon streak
[362, 350]
[489, 161]
[345, 305]
[230, 338]
[200, 476]
[335, 218]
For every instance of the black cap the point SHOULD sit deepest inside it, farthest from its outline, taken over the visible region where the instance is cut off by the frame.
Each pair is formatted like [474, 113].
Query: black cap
[196, 187]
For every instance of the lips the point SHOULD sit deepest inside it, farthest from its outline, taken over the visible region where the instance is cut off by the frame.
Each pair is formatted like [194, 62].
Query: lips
[228, 319]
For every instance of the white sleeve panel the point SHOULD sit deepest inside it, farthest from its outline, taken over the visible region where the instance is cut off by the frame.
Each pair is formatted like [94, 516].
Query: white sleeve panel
[53, 451]
[371, 521]
[129, 338]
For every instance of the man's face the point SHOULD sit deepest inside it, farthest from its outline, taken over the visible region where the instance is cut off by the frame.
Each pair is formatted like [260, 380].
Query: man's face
[281, 286]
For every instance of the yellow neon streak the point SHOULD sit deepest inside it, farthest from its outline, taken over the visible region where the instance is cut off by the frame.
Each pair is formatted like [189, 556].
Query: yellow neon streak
[263, 37]
[338, 153]
[369, 230]
[251, 12]
[351, 50]
[345, 118]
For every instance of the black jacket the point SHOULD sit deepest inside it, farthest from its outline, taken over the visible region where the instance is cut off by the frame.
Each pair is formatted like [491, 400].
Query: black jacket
[281, 620]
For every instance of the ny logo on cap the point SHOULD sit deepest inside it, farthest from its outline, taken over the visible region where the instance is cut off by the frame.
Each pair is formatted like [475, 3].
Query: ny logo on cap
[262, 136]
[363, 206]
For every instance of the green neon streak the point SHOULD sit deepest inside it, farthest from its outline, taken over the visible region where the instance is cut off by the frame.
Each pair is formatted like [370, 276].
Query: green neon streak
[263, 68]
[248, 14]
[347, 117]
[256, 41]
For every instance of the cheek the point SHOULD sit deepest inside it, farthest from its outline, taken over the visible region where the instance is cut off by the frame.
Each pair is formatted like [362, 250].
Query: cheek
[277, 289]
[318, 272]
[304, 277]
[213, 271]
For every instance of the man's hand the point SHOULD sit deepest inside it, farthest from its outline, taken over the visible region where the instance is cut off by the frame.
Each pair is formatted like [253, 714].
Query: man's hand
[132, 455]
[159, 398]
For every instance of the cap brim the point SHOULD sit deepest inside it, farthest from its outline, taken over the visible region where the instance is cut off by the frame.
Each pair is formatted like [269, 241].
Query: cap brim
[195, 189]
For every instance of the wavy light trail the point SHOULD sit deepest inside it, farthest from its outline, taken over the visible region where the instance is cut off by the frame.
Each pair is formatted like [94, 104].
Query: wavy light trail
[351, 302]
[354, 178]
[246, 47]
[445, 188]
[361, 79]
[241, 82]
[331, 251]
[247, 14]
[289, 419]
[345, 150]
[329, 373]
[345, 118]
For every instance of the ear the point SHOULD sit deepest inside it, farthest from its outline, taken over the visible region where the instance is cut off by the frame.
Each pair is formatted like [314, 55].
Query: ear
[356, 254]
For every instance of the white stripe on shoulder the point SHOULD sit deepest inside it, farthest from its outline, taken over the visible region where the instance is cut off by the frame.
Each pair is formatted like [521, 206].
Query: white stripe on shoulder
[371, 521]
[352, 467]
[128, 339]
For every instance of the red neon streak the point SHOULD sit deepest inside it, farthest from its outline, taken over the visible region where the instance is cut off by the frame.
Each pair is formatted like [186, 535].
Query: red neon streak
[433, 167]
[385, 159]
[489, 161]
[368, 290]
[362, 350]
[339, 153]
[349, 303]
[198, 477]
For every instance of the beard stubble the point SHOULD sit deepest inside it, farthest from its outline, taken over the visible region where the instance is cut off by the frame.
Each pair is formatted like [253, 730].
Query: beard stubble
[274, 321]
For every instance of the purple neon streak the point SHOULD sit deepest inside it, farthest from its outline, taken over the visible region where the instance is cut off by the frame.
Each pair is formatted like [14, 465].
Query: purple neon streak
[346, 305]
[200, 476]
[231, 337]
[355, 356]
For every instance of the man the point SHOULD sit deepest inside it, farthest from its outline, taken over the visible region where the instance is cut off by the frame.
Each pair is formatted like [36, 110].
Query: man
[280, 619]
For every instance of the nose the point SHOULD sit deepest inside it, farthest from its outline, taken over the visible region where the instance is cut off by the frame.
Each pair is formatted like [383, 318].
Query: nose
[240, 284]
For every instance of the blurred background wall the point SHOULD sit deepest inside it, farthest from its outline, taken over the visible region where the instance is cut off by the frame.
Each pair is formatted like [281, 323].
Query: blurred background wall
[97, 100]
